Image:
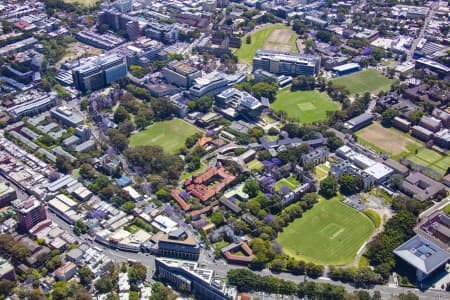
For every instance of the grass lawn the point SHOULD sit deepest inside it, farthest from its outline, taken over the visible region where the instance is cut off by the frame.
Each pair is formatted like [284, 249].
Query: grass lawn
[255, 165]
[132, 228]
[447, 209]
[259, 37]
[170, 135]
[76, 173]
[330, 233]
[374, 216]
[369, 80]
[304, 106]
[186, 175]
[219, 245]
[290, 182]
[363, 262]
[86, 3]
[321, 171]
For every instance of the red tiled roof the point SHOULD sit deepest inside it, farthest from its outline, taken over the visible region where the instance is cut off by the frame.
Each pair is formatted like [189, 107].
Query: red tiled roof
[176, 195]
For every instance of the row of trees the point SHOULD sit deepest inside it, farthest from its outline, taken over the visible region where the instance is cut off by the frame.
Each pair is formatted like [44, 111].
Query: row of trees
[307, 83]
[247, 281]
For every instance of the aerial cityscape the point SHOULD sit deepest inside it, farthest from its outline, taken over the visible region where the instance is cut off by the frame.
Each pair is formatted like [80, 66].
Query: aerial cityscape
[224, 149]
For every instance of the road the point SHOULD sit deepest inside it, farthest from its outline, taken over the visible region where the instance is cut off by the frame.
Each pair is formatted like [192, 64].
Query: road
[433, 9]
[221, 268]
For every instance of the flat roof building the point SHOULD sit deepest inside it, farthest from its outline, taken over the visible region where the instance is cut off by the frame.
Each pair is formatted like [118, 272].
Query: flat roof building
[178, 244]
[346, 69]
[67, 116]
[359, 122]
[423, 255]
[181, 74]
[285, 63]
[200, 282]
[6, 270]
[99, 72]
[30, 213]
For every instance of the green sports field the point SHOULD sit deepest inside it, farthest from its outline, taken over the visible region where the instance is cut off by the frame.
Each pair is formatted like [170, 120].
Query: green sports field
[330, 233]
[170, 135]
[259, 37]
[432, 159]
[369, 80]
[304, 106]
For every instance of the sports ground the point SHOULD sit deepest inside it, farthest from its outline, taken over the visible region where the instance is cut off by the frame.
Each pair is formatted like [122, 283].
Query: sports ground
[381, 140]
[331, 233]
[369, 80]
[431, 159]
[170, 135]
[304, 106]
[271, 37]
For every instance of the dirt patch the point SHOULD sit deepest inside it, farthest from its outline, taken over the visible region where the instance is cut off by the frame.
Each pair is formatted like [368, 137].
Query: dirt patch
[387, 139]
[280, 40]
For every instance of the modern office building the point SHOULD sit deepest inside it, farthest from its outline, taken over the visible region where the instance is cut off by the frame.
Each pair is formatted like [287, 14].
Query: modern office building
[425, 256]
[240, 101]
[285, 63]
[166, 33]
[209, 85]
[118, 21]
[99, 73]
[178, 244]
[181, 74]
[30, 213]
[201, 283]
[67, 116]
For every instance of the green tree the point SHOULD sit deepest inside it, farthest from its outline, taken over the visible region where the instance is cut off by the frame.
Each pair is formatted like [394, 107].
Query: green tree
[217, 218]
[117, 139]
[128, 206]
[251, 187]
[350, 185]
[160, 292]
[121, 114]
[85, 275]
[396, 181]
[63, 164]
[103, 284]
[6, 287]
[80, 227]
[137, 273]
[328, 187]
[264, 89]
[388, 116]
[126, 127]
[87, 171]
